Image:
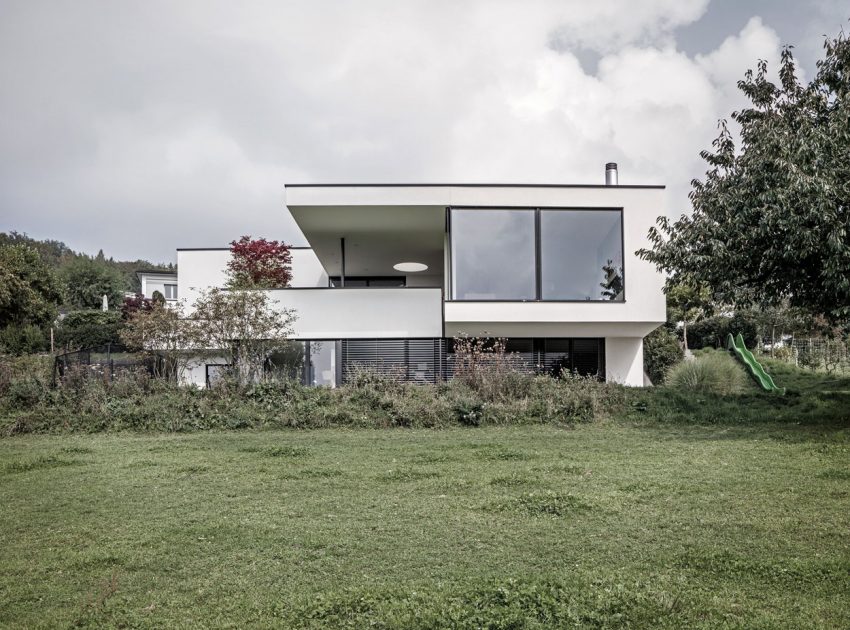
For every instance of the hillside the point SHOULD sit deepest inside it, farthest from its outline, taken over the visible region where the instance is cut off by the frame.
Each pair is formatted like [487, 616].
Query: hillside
[57, 255]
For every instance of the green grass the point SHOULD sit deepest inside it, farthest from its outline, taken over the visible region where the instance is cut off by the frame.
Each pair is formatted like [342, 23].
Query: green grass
[604, 525]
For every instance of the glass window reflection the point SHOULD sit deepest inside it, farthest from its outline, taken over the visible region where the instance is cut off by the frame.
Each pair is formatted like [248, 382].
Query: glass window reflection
[493, 254]
[581, 255]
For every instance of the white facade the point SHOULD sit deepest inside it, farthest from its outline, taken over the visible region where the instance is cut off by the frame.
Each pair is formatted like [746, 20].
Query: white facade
[358, 233]
[165, 283]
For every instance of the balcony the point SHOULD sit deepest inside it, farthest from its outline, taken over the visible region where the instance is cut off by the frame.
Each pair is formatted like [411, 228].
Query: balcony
[363, 313]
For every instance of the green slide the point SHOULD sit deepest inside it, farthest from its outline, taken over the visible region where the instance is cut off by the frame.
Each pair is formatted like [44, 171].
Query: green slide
[737, 345]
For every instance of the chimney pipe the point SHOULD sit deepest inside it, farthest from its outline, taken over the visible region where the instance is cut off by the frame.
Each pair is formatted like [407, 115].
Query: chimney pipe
[611, 174]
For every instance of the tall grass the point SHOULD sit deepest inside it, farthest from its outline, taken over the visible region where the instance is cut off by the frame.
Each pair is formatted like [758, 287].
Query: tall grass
[713, 372]
[134, 401]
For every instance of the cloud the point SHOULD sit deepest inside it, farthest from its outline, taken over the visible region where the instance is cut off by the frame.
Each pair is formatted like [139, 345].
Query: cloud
[143, 127]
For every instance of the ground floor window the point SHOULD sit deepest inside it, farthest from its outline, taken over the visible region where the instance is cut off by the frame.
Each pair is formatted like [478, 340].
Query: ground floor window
[432, 360]
[331, 362]
[555, 356]
[216, 373]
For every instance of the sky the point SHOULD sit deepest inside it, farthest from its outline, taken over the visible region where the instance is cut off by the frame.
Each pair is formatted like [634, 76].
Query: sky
[141, 127]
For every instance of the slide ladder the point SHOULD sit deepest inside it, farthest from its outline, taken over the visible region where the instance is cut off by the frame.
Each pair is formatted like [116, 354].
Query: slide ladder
[737, 346]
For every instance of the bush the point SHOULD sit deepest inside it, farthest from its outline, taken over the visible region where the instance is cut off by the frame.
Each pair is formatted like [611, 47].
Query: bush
[714, 372]
[89, 329]
[84, 401]
[661, 351]
[23, 394]
[712, 332]
[18, 340]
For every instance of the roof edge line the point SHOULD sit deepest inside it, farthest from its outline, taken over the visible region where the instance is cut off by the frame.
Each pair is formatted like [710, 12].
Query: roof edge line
[408, 185]
[226, 249]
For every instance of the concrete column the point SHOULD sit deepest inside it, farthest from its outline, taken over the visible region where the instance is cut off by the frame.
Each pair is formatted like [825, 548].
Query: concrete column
[624, 360]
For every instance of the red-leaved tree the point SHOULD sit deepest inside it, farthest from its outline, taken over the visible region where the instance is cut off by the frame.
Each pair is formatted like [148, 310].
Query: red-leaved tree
[259, 264]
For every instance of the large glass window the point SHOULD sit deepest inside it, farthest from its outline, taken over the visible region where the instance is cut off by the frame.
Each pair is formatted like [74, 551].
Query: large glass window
[581, 255]
[542, 254]
[493, 254]
[322, 363]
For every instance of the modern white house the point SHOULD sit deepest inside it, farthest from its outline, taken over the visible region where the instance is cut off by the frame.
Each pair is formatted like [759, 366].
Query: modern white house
[394, 272]
[153, 281]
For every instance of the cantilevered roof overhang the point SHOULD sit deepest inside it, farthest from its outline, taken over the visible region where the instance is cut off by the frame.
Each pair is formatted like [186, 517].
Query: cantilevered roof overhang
[384, 224]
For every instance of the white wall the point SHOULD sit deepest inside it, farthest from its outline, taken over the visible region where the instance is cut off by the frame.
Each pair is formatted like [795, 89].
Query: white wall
[364, 313]
[204, 269]
[624, 360]
[156, 282]
[196, 369]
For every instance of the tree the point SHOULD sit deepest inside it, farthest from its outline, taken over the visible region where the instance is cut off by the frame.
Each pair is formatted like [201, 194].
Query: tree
[771, 221]
[167, 335]
[686, 303]
[133, 303]
[259, 264]
[29, 291]
[245, 326]
[88, 280]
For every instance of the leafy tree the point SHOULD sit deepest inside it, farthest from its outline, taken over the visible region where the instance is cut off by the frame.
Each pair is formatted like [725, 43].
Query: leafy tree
[245, 325]
[29, 291]
[53, 253]
[88, 281]
[135, 303]
[712, 332]
[771, 220]
[687, 303]
[58, 255]
[167, 335]
[89, 329]
[259, 264]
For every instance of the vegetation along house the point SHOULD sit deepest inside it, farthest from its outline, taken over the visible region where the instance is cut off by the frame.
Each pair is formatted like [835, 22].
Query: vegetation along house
[394, 272]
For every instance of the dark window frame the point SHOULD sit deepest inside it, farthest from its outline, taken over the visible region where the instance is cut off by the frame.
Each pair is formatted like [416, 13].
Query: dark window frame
[207, 367]
[537, 253]
[368, 279]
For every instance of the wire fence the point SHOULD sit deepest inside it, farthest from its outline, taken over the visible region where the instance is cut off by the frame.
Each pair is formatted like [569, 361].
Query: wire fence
[816, 354]
[104, 362]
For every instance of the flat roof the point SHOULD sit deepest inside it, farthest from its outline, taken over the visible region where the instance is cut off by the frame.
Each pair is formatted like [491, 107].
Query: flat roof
[408, 185]
[227, 249]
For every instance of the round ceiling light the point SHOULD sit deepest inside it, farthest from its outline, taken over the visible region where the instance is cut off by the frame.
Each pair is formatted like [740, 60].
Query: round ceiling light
[410, 267]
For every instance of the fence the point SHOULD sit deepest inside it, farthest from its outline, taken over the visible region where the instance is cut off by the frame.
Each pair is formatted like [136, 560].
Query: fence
[102, 361]
[829, 355]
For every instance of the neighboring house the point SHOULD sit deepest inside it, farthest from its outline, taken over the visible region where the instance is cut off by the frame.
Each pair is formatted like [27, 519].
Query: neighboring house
[165, 283]
[395, 271]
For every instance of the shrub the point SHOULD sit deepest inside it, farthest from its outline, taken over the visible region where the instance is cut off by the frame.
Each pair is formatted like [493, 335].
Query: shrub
[485, 366]
[18, 339]
[89, 329]
[88, 401]
[711, 372]
[24, 394]
[574, 398]
[661, 351]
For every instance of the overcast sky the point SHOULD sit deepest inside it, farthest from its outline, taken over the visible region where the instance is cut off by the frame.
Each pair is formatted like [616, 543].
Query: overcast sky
[140, 127]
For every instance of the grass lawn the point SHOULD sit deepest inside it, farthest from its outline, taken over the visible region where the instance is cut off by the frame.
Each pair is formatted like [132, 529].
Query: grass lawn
[605, 525]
